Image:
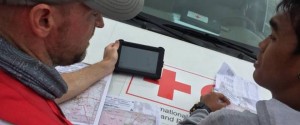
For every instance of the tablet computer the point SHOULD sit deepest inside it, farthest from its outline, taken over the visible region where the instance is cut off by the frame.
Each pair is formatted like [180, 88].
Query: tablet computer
[140, 59]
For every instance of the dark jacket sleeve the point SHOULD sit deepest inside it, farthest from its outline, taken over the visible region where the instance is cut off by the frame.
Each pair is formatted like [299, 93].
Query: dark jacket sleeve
[195, 118]
[221, 117]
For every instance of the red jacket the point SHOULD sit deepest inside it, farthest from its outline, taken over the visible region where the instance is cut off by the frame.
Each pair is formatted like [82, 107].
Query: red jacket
[20, 105]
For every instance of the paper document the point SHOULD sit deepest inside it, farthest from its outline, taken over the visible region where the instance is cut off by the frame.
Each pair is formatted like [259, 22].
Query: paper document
[242, 93]
[119, 111]
[86, 108]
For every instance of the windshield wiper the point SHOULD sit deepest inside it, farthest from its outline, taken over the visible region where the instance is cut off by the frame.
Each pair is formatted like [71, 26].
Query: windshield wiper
[185, 34]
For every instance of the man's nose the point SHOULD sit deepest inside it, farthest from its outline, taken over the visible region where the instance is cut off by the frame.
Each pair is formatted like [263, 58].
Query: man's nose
[263, 44]
[99, 21]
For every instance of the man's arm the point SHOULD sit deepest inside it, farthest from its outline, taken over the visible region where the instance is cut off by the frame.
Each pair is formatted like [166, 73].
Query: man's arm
[82, 79]
[214, 101]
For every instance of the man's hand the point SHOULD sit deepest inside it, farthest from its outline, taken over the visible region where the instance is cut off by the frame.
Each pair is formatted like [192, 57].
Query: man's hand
[111, 52]
[215, 101]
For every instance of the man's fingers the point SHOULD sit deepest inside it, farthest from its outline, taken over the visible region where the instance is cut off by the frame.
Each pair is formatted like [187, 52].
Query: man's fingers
[223, 98]
[223, 104]
[226, 100]
[117, 43]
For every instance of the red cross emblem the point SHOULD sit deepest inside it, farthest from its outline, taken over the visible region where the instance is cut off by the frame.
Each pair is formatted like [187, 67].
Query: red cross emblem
[167, 85]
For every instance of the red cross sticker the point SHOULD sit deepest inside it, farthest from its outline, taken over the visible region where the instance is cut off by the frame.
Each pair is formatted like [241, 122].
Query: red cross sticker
[167, 85]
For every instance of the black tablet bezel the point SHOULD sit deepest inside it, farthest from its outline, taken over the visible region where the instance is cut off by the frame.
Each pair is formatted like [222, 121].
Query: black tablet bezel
[160, 61]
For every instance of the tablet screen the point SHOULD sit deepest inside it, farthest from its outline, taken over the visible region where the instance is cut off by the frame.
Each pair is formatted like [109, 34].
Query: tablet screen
[138, 59]
[141, 60]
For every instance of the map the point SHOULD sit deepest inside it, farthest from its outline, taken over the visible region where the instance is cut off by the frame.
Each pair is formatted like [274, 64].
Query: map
[118, 111]
[86, 108]
[122, 117]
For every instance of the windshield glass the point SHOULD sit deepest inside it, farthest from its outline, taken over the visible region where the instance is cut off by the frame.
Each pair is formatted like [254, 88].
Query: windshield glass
[244, 21]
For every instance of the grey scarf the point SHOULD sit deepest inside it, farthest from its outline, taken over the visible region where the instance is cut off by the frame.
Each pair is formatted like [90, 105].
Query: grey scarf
[43, 79]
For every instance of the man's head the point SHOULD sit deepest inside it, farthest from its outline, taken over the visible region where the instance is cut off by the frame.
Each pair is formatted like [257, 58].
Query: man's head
[57, 32]
[278, 63]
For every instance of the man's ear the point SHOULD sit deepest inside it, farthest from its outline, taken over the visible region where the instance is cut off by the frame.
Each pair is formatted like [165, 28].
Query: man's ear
[41, 19]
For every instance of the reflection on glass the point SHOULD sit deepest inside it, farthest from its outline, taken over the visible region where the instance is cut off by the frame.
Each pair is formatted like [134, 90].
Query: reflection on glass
[245, 21]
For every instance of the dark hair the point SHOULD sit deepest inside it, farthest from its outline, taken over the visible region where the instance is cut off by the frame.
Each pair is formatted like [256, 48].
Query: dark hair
[292, 7]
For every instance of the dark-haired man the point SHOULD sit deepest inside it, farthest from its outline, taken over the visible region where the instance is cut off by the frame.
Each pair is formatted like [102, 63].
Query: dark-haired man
[277, 69]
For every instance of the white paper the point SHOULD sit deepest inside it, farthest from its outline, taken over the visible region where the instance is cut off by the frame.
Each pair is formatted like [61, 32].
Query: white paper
[226, 70]
[242, 93]
[70, 68]
[86, 108]
[119, 111]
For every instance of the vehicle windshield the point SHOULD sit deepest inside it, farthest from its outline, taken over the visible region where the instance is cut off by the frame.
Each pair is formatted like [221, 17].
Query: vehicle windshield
[244, 21]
